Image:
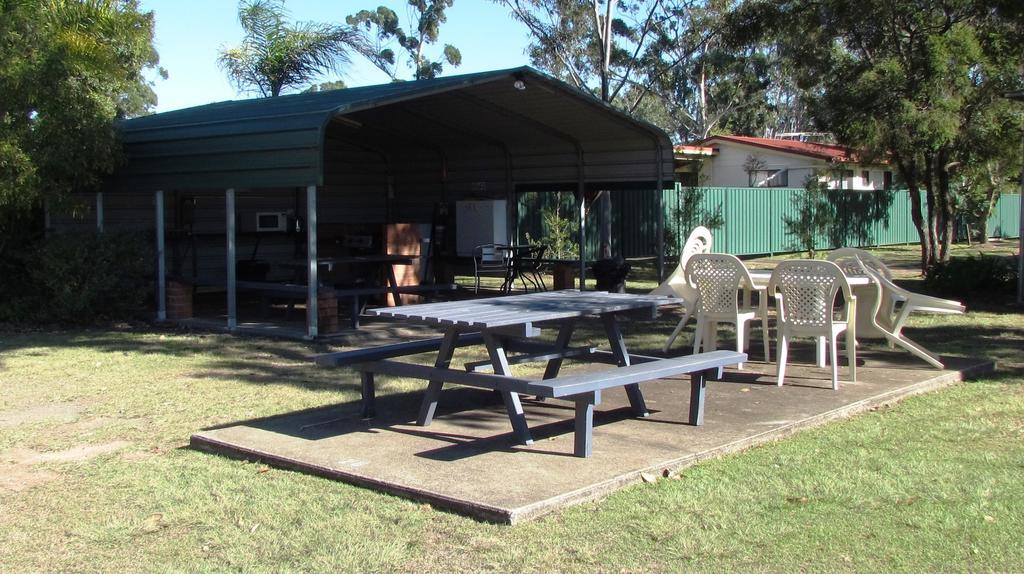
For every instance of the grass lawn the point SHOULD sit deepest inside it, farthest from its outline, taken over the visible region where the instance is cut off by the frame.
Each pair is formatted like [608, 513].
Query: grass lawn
[95, 474]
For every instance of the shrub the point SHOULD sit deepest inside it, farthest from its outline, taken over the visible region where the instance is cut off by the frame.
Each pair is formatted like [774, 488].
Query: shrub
[815, 216]
[965, 276]
[559, 234]
[83, 277]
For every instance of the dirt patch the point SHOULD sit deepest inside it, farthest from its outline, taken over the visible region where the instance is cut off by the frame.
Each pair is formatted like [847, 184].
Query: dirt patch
[53, 412]
[19, 477]
[17, 471]
[74, 454]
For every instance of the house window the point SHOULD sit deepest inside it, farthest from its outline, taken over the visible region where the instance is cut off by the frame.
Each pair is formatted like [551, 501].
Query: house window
[887, 179]
[769, 177]
[846, 181]
[687, 178]
[865, 178]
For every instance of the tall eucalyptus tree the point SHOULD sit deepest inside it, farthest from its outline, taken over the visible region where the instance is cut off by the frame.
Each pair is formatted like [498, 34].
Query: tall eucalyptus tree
[427, 17]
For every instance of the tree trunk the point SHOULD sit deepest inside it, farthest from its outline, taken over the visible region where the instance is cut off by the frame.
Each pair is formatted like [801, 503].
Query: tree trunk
[908, 170]
[991, 195]
[947, 211]
[605, 216]
[932, 226]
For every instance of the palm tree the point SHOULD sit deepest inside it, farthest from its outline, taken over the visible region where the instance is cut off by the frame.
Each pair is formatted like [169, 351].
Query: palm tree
[276, 54]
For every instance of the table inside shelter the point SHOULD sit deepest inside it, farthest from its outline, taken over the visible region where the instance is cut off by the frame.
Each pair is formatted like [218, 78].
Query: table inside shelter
[373, 266]
[522, 265]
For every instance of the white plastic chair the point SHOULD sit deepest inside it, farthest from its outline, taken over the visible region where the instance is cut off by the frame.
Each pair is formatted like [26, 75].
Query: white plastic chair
[805, 293]
[855, 261]
[676, 285]
[851, 260]
[490, 260]
[894, 304]
[718, 278]
[891, 318]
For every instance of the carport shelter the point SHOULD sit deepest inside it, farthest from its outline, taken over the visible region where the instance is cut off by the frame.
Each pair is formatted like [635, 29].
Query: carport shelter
[392, 153]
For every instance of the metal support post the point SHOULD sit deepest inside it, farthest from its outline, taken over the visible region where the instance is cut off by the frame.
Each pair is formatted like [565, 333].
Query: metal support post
[161, 269]
[312, 319]
[99, 211]
[229, 211]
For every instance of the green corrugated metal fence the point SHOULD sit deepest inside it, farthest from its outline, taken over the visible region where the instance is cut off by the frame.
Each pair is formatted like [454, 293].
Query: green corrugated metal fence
[752, 219]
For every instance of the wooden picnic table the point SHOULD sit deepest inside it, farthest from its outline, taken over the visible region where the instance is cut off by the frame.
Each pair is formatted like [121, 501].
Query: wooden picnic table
[505, 325]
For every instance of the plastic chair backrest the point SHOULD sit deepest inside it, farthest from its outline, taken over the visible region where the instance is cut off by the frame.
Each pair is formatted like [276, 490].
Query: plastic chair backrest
[808, 291]
[699, 241]
[489, 257]
[675, 284]
[717, 278]
[852, 260]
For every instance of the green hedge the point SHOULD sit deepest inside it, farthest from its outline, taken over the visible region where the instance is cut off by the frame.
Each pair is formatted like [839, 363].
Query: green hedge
[79, 278]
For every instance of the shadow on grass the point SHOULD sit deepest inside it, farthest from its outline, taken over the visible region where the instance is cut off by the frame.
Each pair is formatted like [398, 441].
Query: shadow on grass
[265, 362]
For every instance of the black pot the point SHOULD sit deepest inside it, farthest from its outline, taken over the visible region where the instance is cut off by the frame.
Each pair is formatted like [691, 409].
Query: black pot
[611, 274]
[252, 270]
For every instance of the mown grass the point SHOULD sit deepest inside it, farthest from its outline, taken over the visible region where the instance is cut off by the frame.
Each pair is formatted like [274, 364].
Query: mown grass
[931, 484]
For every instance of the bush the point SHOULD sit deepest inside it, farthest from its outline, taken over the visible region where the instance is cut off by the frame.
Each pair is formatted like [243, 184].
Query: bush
[966, 276]
[559, 234]
[82, 278]
[815, 216]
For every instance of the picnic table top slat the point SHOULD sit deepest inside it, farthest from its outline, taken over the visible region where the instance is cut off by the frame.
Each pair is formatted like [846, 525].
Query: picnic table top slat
[522, 309]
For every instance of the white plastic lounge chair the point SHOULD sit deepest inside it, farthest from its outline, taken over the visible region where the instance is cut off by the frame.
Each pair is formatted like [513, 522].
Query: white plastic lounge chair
[894, 304]
[805, 294]
[676, 285]
[853, 261]
[718, 278]
[890, 319]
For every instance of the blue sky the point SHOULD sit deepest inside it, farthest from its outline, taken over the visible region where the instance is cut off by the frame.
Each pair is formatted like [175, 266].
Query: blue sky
[190, 32]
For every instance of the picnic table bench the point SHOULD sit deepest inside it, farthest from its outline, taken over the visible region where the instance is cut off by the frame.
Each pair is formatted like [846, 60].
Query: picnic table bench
[501, 323]
[583, 389]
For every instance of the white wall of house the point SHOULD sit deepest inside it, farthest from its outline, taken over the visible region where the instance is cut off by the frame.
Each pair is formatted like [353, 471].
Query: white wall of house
[729, 168]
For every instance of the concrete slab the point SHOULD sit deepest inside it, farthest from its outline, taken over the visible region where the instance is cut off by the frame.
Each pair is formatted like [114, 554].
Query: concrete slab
[467, 460]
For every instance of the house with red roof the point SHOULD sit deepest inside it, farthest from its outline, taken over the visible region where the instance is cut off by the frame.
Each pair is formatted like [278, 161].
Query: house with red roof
[742, 161]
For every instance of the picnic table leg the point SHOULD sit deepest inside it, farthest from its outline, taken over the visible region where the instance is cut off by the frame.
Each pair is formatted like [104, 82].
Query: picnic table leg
[583, 440]
[618, 345]
[368, 392]
[393, 282]
[561, 343]
[357, 310]
[698, 385]
[513, 405]
[444, 359]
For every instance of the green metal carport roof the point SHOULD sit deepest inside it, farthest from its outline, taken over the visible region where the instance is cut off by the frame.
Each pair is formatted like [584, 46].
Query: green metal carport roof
[279, 142]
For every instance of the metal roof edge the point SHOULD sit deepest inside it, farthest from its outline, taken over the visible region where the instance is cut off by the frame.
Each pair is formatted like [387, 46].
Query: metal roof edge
[325, 107]
[594, 100]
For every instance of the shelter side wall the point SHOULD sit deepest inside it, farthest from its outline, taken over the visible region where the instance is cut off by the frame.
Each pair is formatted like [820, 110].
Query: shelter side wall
[196, 238]
[356, 184]
[122, 211]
